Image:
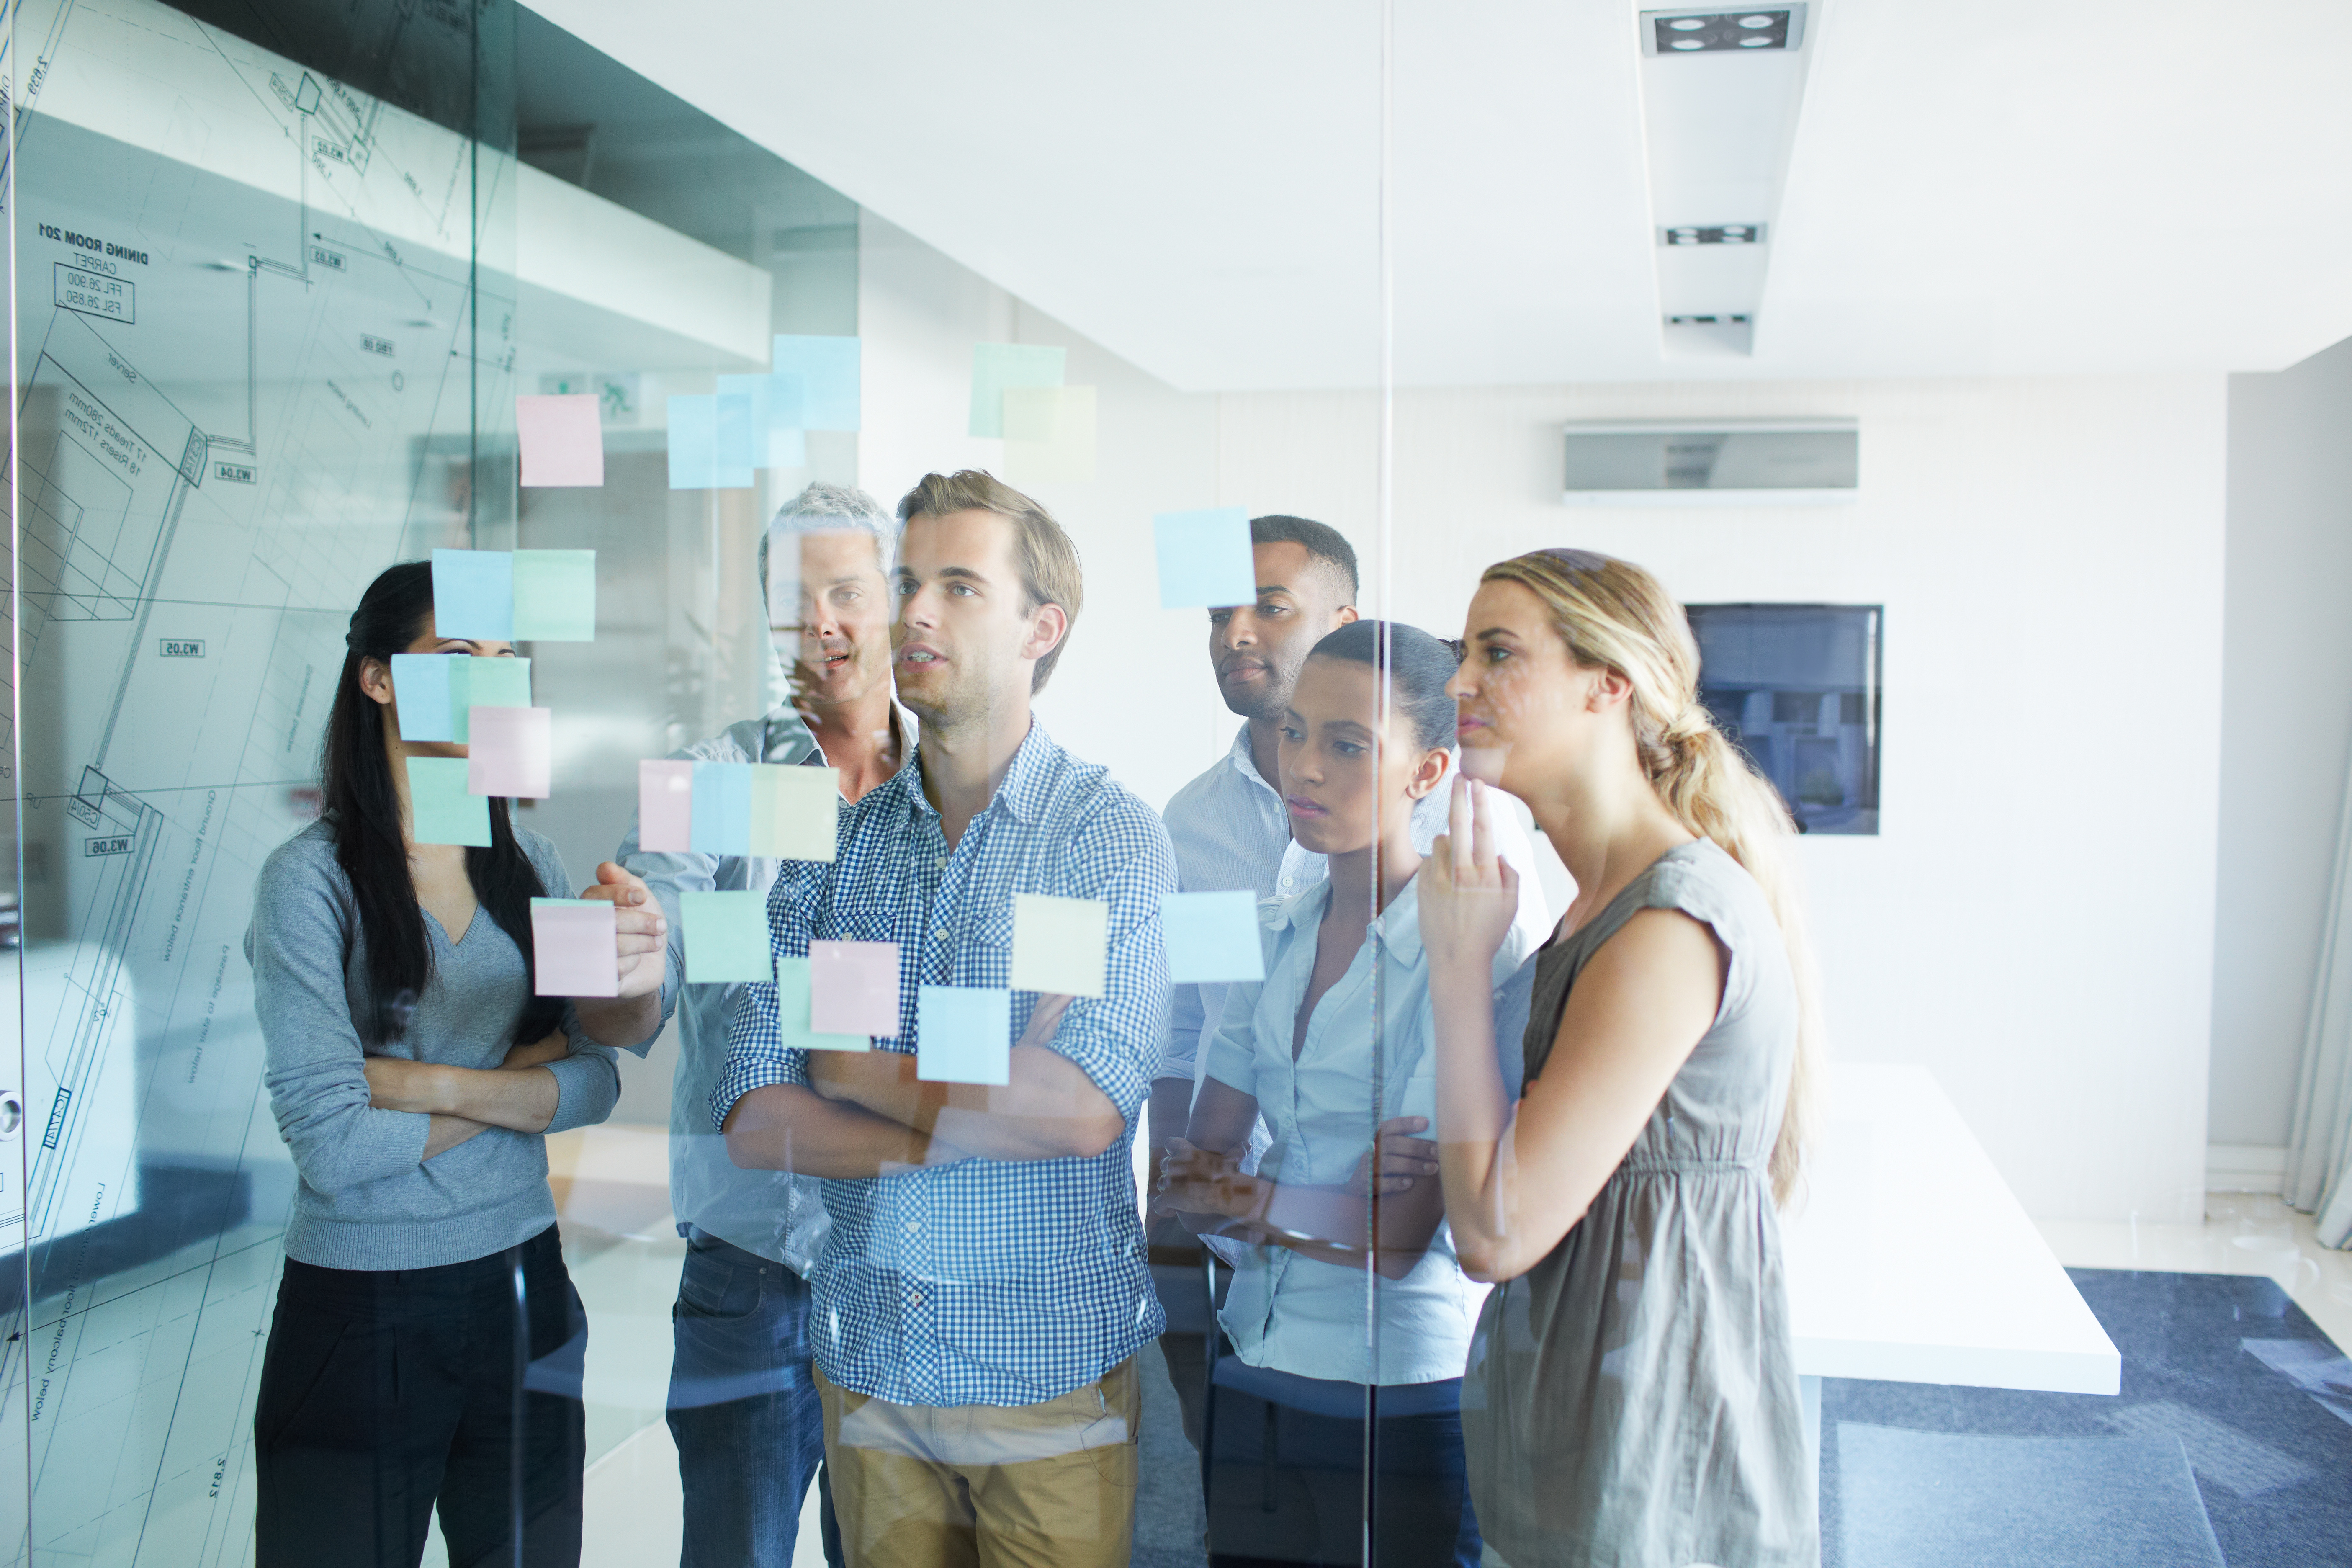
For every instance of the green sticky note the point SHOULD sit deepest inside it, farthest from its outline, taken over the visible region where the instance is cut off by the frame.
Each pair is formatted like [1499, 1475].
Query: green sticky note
[503, 682]
[792, 1013]
[726, 934]
[995, 366]
[554, 595]
[440, 809]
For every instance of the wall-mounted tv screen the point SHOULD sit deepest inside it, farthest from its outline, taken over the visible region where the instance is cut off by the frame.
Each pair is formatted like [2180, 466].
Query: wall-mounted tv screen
[1797, 687]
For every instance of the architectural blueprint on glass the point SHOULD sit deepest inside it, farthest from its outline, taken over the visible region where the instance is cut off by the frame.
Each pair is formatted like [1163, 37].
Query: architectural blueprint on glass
[249, 367]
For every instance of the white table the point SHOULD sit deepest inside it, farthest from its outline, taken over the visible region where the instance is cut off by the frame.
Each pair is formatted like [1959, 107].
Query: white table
[1910, 1262]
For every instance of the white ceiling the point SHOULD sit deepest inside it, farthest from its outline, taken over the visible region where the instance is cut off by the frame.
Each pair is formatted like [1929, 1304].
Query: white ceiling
[1993, 187]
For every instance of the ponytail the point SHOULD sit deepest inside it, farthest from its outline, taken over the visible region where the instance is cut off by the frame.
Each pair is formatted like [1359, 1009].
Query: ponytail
[1612, 613]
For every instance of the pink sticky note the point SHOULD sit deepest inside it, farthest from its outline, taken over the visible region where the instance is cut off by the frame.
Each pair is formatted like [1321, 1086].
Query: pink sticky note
[511, 752]
[562, 441]
[572, 942]
[853, 987]
[666, 805]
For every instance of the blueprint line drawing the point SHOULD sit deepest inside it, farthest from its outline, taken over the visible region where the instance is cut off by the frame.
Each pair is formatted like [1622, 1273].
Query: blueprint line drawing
[250, 359]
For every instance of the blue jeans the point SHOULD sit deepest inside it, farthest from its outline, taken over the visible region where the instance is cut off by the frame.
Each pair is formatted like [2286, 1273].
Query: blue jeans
[745, 1415]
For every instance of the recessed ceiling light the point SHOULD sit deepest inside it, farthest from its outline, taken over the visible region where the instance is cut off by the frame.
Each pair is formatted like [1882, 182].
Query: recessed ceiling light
[1703, 32]
[1713, 234]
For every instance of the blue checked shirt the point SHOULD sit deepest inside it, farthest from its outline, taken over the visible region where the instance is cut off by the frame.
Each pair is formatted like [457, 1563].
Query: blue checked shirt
[989, 1281]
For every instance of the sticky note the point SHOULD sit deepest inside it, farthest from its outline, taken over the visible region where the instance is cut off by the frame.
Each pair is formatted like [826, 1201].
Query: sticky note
[500, 682]
[694, 450]
[440, 811]
[795, 812]
[511, 753]
[562, 441]
[964, 1035]
[726, 934]
[722, 808]
[853, 987]
[422, 689]
[573, 948]
[734, 432]
[665, 807]
[995, 366]
[1211, 937]
[776, 440]
[555, 595]
[1049, 434]
[793, 1013]
[473, 595]
[1058, 944]
[828, 373]
[1204, 558]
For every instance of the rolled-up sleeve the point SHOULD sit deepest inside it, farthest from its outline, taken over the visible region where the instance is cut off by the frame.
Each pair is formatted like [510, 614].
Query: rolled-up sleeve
[1122, 857]
[587, 1082]
[314, 1063]
[756, 1053]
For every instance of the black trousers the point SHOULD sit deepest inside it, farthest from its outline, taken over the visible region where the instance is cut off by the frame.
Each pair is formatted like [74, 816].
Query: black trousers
[384, 1393]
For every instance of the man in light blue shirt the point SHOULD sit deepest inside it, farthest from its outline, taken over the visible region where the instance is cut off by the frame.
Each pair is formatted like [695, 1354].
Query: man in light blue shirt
[981, 1295]
[741, 1406]
[1231, 831]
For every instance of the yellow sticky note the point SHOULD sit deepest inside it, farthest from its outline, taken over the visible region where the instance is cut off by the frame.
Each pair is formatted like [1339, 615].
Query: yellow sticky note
[1059, 944]
[1049, 434]
[794, 811]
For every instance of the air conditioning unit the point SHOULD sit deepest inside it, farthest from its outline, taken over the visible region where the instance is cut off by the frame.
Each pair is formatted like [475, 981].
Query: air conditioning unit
[1712, 462]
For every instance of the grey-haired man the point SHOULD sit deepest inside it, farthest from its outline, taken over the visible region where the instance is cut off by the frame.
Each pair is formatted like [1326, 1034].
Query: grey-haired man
[745, 1415]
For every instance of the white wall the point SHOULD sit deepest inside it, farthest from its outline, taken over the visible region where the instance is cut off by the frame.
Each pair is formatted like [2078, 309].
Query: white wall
[2286, 728]
[2035, 922]
[1133, 691]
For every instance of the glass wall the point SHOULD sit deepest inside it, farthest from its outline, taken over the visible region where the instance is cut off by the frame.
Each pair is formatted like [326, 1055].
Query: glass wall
[666, 826]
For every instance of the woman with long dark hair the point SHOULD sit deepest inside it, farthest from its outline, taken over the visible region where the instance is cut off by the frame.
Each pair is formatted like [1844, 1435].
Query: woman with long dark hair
[413, 1075]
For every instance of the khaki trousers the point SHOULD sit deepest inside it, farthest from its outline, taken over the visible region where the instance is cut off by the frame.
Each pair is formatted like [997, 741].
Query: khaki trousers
[986, 1486]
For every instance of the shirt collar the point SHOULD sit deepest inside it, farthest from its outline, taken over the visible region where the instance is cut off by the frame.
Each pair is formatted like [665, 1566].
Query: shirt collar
[1399, 925]
[1246, 765]
[1025, 792]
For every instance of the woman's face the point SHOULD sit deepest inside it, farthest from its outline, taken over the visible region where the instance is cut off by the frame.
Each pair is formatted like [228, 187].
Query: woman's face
[1342, 791]
[376, 680]
[1525, 708]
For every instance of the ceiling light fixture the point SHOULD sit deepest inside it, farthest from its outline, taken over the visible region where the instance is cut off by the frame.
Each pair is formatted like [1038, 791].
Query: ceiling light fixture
[1722, 32]
[1713, 234]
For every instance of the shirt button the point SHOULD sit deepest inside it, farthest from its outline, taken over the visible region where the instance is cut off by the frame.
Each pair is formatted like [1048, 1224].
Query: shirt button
[1286, 881]
[914, 1298]
[913, 1225]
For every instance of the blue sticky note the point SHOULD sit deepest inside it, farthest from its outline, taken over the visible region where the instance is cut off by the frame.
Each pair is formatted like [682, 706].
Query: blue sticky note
[722, 808]
[726, 934]
[441, 810]
[793, 1013]
[1204, 558]
[694, 450]
[734, 432]
[473, 595]
[1211, 937]
[421, 690]
[995, 366]
[828, 372]
[964, 1035]
[777, 438]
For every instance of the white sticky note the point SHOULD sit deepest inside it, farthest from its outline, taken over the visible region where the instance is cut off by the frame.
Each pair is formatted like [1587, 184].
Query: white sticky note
[1059, 945]
[795, 812]
[572, 943]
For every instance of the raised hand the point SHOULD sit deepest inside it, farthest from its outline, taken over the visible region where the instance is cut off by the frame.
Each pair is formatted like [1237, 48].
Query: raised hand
[640, 930]
[1469, 894]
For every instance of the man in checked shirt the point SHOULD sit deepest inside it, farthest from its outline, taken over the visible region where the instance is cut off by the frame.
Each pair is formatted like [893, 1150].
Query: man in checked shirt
[983, 1292]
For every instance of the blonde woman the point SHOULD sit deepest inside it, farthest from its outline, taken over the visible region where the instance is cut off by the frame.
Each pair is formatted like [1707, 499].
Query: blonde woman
[1631, 1397]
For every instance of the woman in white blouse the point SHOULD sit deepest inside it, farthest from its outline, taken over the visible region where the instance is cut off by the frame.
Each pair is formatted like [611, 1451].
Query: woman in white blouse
[1301, 1369]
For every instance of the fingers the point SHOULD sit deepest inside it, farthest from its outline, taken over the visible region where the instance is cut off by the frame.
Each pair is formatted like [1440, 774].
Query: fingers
[1461, 831]
[1404, 1124]
[1482, 831]
[619, 884]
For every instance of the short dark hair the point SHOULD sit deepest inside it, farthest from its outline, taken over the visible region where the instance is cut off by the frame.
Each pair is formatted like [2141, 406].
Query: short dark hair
[1321, 541]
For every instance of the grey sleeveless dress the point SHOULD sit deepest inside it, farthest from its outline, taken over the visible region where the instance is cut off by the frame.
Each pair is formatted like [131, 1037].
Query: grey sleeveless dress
[1632, 1400]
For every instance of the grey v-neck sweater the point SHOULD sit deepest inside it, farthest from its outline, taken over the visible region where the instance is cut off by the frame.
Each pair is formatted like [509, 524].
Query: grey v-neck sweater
[369, 1199]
